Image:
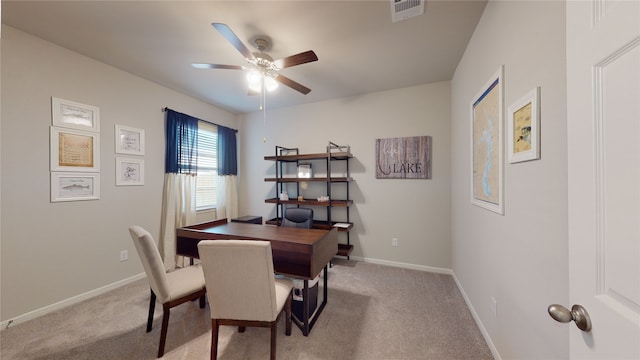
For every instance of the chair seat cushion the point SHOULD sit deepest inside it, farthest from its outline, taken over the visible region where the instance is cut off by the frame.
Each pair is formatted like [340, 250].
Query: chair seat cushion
[283, 288]
[184, 281]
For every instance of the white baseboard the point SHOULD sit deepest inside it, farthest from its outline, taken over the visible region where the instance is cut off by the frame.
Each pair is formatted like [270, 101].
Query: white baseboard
[70, 301]
[404, 265]
[483, 330]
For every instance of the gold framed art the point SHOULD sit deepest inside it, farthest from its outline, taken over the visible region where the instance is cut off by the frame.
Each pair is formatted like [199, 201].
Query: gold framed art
[523, 128]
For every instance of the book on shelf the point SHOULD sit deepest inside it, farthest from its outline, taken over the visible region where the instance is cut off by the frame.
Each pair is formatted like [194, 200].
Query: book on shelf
[341, 225]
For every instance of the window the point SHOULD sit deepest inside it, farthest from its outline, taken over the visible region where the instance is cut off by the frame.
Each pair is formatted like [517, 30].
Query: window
[207, 179]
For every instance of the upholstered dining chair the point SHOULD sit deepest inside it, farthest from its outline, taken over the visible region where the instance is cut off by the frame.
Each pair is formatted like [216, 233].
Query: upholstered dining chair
[297, 217]
[169, 288]
[247, 293]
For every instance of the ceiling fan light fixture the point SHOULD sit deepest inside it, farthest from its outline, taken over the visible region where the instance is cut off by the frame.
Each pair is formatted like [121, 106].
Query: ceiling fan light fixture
[263, 70]
[270, 83]
[255, 87]
[254, 79]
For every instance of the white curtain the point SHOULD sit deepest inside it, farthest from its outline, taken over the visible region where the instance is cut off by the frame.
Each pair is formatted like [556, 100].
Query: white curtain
[227, 197]
[178, 210]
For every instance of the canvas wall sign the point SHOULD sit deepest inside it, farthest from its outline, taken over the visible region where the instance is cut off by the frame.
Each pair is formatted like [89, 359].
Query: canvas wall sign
[403, 158]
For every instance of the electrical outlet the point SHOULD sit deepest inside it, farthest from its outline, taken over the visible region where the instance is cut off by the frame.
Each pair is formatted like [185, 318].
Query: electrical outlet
[124, 255]
[394, 242]
[494, 307]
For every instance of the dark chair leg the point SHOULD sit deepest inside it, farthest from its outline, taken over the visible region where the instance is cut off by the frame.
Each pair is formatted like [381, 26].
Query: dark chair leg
[287, 312]
[274, 334]
[165, 324]
[152, 307]
[241, 329]
[214, 339]
[202, 301]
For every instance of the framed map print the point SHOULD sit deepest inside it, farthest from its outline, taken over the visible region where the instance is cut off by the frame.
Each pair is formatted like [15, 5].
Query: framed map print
[486, 145]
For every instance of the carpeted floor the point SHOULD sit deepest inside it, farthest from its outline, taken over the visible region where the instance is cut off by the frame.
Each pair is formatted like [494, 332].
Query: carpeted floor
[373, 312]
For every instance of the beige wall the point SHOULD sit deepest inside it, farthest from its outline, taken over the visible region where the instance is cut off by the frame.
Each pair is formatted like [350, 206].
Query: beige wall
[52, 252]
[417, 212]
[520, 259]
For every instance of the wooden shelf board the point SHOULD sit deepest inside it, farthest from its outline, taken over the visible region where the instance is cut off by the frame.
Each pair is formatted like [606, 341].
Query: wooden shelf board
[344, 249]
[323, 225]
[310, 202]
[314, 179]
[334, 155]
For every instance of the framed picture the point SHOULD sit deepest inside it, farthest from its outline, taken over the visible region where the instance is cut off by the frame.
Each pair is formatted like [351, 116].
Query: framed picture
[70, 186]
[403, 158]
[74, 150]
[129, 140]
[487, 145]
[304, 170]
[129, 171]
[523, 128]
[74, 115]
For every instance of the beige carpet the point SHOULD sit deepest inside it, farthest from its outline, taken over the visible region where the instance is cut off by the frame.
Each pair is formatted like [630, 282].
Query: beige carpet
[374, 312]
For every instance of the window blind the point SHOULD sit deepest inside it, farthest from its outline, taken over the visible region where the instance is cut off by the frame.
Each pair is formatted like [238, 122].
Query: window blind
[207, 179]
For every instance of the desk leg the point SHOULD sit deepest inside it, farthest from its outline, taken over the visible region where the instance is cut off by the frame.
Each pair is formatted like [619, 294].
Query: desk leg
[307, 324]
[305, 309]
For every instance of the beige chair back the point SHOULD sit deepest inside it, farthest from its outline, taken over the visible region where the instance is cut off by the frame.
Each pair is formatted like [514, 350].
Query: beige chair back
[240, 272]
[151, 261]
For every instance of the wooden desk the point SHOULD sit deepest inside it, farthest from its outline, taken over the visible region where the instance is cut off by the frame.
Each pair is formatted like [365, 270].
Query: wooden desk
[299, 253]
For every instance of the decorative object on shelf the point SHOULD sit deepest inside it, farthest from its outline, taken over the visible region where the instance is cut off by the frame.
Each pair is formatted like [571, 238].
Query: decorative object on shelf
[284, 196]
[304, 171]
[74, 115]
[72, 186]
[403, 158]
[323, 198]
[523, 128]
[129, 171]
[486, 145]
[129, 140]
[74, 150]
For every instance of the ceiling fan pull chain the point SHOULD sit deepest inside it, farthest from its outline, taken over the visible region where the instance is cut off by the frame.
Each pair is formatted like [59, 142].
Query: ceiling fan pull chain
[263, 107]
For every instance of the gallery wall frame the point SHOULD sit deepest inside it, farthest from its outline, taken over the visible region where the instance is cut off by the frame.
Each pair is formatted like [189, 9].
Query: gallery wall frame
[487, 108]
[129, 140]
[129, 171]
[75, 115]
[523, 128]
[74, 150]
[74, 186]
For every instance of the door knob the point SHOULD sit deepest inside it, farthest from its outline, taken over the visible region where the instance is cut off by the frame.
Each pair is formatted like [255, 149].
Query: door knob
[577, 313]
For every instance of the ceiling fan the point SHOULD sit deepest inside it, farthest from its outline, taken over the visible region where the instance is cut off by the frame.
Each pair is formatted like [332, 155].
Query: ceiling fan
[261, 64]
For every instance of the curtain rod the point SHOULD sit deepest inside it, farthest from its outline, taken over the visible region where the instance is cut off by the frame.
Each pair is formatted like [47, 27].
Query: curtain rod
[166, 108]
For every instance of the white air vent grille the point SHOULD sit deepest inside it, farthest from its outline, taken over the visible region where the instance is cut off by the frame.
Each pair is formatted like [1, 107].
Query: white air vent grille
[404, 9]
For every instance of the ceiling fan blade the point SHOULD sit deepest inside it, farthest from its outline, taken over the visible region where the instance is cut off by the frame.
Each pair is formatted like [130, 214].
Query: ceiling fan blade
[234, 40]
[297, 59]
[216, 66]
[292, 84]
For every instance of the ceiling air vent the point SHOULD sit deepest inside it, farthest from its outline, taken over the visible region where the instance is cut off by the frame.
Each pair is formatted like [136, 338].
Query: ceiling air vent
[404, 9]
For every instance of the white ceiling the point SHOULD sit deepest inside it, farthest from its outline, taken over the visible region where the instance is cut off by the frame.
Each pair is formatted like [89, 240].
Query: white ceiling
[360, 50]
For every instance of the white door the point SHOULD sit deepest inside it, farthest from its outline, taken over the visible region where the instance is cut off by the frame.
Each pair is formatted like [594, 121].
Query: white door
[603, 109]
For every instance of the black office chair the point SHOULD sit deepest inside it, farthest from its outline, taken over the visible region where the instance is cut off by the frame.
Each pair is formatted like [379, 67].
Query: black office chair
[297, 217]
